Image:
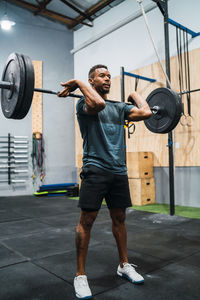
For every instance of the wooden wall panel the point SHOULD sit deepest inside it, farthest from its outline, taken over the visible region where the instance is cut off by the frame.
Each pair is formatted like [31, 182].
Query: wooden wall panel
[37, 99]
[186, 137]
[115, 90]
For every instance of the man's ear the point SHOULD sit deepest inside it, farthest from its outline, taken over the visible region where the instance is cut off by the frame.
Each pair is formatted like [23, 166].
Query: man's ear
[90, 80]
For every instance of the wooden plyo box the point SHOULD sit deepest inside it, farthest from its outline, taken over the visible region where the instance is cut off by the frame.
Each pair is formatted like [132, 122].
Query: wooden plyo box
[142, 191]
[139, 164]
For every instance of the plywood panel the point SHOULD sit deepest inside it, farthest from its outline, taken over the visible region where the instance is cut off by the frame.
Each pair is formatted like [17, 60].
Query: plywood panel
[37, 99]
[115, 90]
[187, 137]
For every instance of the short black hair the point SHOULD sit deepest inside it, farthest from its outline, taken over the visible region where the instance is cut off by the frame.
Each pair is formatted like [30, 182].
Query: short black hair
[92, 70]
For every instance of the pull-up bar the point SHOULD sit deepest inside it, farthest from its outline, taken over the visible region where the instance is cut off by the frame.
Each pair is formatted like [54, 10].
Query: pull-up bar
[139, 77]
[192, 33]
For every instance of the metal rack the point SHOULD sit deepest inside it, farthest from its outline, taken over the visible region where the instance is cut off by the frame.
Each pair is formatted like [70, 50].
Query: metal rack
[14, 153]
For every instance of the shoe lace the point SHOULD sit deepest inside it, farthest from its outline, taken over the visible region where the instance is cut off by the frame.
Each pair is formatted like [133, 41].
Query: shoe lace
[129, 267]
[82, 281]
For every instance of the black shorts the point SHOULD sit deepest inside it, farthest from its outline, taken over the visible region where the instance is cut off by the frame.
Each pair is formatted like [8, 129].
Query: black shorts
[98, 184]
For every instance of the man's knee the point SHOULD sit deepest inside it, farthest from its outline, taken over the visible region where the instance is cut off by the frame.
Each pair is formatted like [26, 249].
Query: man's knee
[118, 216]
[87, 219]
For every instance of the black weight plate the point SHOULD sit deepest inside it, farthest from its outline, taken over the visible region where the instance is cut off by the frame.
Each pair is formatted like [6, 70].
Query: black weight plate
[170, 113]
[29, 87]
[14, 71]
[179, 111]
[16, 112]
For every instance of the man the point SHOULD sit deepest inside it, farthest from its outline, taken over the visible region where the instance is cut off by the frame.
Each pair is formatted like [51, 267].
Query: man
[104, 173]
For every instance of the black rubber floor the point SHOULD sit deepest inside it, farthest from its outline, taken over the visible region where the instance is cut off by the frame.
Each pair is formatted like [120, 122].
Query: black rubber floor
[37, 253]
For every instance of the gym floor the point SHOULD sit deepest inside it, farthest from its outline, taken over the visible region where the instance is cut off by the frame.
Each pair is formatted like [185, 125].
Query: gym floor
[37, 253]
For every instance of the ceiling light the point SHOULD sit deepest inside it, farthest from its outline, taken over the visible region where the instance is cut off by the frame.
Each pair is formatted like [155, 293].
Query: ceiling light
[6, 24]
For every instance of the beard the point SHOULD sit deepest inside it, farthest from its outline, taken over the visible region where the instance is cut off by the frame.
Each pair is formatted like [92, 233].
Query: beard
[101, 89]
[104, 91]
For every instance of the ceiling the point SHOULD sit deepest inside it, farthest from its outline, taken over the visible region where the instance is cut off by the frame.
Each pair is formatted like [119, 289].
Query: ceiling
[72, 13]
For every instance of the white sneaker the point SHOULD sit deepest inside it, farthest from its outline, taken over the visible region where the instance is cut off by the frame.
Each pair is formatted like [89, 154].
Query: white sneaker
[81, 287]
[128, 271]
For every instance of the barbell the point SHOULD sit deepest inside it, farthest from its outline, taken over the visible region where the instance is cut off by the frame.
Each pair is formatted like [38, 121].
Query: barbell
[17, 88]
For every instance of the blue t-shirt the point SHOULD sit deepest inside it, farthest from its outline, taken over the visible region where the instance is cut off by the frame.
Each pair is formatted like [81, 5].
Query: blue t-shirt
[103, 135]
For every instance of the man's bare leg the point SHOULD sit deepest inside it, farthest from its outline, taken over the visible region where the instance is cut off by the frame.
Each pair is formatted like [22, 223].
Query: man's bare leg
[83, 237]
[125, 269]
[118, 216]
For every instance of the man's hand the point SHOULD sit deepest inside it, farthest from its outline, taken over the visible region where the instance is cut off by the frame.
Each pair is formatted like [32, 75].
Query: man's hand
[136, 99]
[141, 110]
[131, 99]
[69, 87]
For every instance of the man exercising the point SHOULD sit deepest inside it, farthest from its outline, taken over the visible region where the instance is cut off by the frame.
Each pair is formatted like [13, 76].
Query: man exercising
[104, 172]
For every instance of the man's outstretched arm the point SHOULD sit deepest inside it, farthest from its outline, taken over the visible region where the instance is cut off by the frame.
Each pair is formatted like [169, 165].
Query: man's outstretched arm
[94, 103]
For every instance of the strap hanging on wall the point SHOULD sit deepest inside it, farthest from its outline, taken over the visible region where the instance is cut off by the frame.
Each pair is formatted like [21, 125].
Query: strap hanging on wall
[38, 156]
[184, 72]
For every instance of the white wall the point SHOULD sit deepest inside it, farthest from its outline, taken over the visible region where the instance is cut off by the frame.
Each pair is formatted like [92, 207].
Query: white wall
[130, 46]
[49, 42]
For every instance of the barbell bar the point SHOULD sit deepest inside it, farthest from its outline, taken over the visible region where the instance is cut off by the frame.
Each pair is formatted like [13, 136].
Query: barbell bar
[14, 147]
[13, 156]
[13, 180]
[79, 96]
[14, 161]
[14, 137]
[14, 151]
[10, 86]
[2, 171]
[155, 109]
[6, 85]
[14, 142]
[17, 87]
